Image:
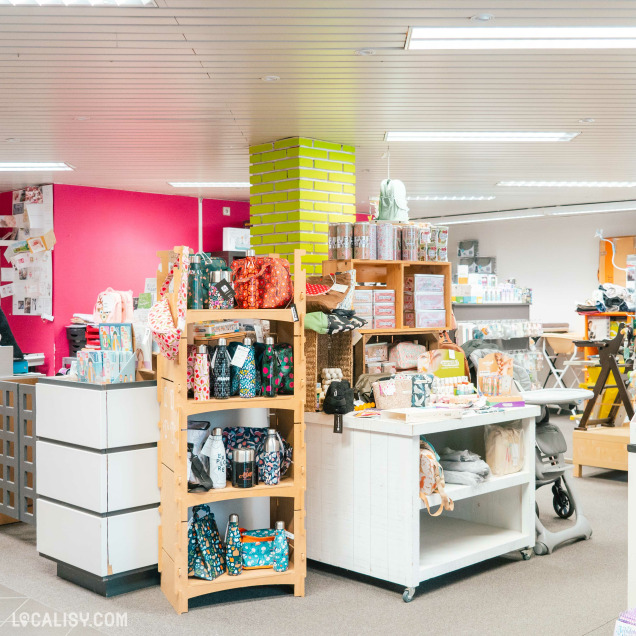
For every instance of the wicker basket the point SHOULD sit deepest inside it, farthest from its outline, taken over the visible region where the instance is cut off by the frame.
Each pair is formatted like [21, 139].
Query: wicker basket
[324, 351]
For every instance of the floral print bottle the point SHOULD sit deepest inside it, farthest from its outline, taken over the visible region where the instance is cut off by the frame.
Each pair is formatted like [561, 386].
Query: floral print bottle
[271, 458]
[281, 548]
[221, 371]
[269, 369]
[247, 373]
[233, 551]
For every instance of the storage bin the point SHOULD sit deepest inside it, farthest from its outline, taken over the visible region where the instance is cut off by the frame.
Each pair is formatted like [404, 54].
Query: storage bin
[386, 310]
[425, 301]
[362, 296]
[430, 319]
[377, 352]
[384, 323]
[384, 296]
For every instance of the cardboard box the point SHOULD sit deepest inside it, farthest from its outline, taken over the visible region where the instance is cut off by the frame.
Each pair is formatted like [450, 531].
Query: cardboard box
[362, 296]
[430, 319]
[384, 323]
[409, 319]
[236, 239]
[363, 308]
[384, 296]
[427, 301]
[374, 367]
[385, 310]
[376, 352]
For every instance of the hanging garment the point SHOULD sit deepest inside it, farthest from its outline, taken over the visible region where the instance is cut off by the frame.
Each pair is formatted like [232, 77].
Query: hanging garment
[393, 205]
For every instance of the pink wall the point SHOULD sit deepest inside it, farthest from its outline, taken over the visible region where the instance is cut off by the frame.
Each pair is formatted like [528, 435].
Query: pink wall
[109, 238]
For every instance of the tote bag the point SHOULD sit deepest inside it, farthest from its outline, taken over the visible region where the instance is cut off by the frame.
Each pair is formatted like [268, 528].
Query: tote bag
[165, 333]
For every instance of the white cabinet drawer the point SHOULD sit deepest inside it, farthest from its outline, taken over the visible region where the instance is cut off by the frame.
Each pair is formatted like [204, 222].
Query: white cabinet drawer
[100, 545]
[101, 482]
[96, 418]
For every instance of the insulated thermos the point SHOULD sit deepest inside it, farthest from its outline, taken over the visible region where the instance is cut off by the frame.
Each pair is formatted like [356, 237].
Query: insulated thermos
[233, 548]
[270, 470]
[221, 371]
[247, 372]
[281, 548]
[217, 459]
[269, 369]
[244, 473]
[201, 374]
[196, 289]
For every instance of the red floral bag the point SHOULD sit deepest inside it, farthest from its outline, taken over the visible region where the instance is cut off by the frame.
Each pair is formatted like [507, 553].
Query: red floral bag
[262, 283]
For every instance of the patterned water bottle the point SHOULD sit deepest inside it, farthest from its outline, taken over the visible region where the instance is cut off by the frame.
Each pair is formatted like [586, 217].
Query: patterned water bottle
[269, 369]
[221, 371]
[247, 373]
[195, 287]
[281, 548]
[201, 374]
[271, 458]
[233, 548]
[216, 299]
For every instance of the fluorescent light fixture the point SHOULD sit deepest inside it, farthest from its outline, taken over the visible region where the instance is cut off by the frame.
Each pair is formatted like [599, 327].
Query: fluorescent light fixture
[79, 3]
[399, 135]
[593, 208]
[209, 184]
[432, 197]
[486, 219]
[494, 37]
[33, 166]
[568, 184]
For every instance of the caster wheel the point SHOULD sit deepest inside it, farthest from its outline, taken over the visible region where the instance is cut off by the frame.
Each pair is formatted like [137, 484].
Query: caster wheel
[408, 594]
[561, 502]
[540, 549]
[526, 554]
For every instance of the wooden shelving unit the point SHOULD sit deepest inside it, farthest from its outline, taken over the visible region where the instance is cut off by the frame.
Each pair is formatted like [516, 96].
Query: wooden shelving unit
[287, 499]
[393, 273]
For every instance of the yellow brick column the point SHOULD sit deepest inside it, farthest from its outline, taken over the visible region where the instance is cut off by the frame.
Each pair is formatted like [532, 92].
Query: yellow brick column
[299, 185]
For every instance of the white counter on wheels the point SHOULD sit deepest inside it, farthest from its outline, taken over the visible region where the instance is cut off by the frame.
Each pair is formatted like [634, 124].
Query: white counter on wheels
[364, 512]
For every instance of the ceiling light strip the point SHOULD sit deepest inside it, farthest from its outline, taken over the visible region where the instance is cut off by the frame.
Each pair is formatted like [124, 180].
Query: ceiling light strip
[496, 136]
[450, 198]
[209, 184]
[33, 166]
[568, 184]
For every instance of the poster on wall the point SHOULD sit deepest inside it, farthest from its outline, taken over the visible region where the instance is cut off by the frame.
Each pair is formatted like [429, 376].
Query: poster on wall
[31, 252]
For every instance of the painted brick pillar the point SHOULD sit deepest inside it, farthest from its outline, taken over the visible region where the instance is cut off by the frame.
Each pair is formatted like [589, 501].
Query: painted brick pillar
[298, 186]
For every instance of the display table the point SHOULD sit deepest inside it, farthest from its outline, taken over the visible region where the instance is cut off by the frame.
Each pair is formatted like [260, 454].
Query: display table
[364, 512]
[96, 481]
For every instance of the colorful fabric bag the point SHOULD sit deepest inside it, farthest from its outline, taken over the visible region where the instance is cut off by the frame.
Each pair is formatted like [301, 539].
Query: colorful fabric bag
[421, 388]
[205, 553]
[248, 437]
[266, 286]
[284, 382]
[432, 479]
[258, 548]
[165, 333]
[404, 355]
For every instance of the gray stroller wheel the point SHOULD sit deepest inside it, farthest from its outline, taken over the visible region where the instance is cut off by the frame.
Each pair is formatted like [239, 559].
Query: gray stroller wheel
[561, 501]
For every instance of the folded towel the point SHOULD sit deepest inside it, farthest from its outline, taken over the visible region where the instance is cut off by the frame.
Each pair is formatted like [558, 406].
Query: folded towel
[479, 467]
[462, 477]
[458, 456]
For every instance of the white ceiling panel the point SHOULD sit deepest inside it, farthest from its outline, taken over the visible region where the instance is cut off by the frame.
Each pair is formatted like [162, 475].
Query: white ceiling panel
[173, 93]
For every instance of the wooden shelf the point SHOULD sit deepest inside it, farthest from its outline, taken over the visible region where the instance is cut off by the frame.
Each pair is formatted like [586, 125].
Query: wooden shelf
[196, 407]
[354, 261]
[286, 499]
[247, 578]
[203, 315]
[286, 488]
[399, 330]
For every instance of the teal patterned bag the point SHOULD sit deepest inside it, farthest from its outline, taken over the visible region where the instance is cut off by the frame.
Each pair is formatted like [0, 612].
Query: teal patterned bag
[258, 548]
[205, 553]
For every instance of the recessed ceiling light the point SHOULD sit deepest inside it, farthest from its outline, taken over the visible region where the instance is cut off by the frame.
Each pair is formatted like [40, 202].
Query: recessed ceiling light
[80, 117]
[80, 3]
[364, 51]
[587, 120]
[568, 184]
[209, 184]
[442, 197]
[478, 136]
[12, 140]
[270, 78]
[482, 17]
[31, 166]
[521, 38]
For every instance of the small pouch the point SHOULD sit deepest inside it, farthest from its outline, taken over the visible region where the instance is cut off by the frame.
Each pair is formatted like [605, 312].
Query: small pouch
[258, 549]
[394, 393]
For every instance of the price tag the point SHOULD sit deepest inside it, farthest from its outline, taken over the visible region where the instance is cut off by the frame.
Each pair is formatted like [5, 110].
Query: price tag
[294, 313]
[451, 354]
[339, 288]
[225, 289]
[207, 447]
[258, 330]
[240, 355]
[289, 535]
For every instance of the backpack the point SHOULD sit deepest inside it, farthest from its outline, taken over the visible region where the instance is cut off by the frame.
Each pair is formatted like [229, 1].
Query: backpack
[446, 343]
[432, 479]
[113, 306]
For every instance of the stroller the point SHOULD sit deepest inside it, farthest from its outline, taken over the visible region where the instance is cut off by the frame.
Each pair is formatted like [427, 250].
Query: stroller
[550, 446]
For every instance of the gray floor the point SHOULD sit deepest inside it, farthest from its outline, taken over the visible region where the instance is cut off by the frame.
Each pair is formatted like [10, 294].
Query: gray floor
[579, 590]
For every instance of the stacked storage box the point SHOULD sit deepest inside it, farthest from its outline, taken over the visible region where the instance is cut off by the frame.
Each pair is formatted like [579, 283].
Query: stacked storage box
[376, 306]
[424, 301]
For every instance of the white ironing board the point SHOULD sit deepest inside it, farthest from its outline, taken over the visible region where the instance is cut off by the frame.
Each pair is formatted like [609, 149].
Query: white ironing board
[542, 397]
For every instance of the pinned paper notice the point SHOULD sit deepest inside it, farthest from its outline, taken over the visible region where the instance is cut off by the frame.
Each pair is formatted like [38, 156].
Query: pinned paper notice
[46, 316]
[6, 290]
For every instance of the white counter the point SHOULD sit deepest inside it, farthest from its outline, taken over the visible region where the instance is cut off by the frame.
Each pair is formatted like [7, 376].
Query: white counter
[364, 512]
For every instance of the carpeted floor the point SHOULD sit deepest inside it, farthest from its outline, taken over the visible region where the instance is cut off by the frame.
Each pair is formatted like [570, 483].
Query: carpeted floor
[579, 590]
